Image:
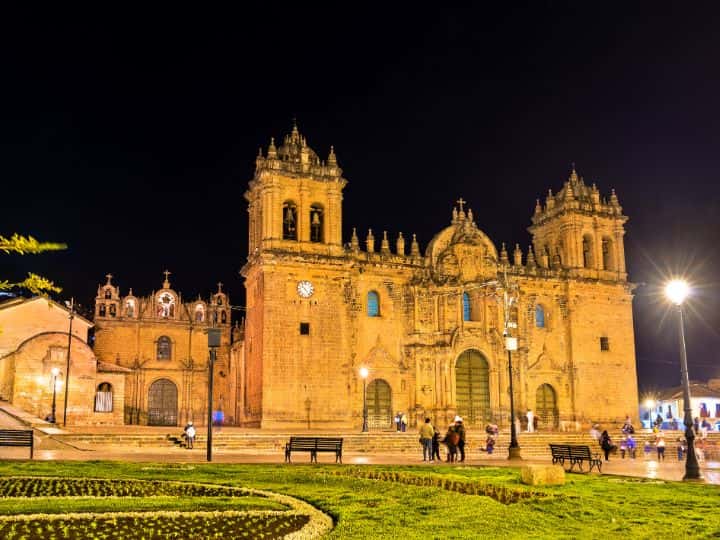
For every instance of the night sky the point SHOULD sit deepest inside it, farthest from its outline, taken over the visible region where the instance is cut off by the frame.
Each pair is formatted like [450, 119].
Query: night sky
[132, 136]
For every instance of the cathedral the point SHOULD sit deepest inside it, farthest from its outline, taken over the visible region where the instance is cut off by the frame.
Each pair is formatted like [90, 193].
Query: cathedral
[431, 328]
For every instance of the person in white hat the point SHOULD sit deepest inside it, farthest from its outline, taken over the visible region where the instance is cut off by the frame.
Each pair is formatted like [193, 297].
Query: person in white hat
[460, 429]
[189, 433]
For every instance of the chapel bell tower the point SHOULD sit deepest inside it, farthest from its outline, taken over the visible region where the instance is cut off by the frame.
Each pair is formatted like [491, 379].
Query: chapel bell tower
[581, 232]
[295, 199]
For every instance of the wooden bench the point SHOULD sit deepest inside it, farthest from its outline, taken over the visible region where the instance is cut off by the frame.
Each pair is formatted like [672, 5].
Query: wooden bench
[575, 455]
[17, 437]
[314, 445]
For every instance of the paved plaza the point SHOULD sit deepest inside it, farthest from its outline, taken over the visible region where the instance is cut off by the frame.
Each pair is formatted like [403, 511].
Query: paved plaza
[49, 448]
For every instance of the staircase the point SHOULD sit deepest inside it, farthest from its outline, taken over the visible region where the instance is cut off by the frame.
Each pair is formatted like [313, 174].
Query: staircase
[533, 445]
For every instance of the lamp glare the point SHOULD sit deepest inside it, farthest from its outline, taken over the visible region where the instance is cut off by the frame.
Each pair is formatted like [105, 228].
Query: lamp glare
[677, 291]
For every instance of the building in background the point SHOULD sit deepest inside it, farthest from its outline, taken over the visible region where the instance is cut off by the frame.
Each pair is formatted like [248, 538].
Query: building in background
[33, 341]
[161, 339]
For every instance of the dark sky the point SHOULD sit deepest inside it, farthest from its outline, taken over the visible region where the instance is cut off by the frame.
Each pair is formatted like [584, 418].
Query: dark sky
[132, 136]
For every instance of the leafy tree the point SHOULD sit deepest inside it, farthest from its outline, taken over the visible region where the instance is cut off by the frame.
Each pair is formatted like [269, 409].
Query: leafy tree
[27, 245]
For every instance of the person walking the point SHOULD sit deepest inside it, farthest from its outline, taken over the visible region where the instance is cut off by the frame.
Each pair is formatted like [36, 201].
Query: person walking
[426, 437]
[460, 430]
[531, 421]
[631, 446]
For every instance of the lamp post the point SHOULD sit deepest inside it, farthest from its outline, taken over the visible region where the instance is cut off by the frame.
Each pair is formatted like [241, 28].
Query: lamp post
[650, 404]
[511, 344]
[514, 448]
[677, 291]
[364, 374]
[71, 307]
[213, 344]
[55, 372]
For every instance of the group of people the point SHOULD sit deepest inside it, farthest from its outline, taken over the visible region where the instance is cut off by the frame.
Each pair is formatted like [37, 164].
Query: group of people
[401, 422]
[454, 439]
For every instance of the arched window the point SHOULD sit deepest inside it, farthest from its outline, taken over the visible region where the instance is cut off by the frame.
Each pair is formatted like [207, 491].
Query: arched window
[373, 304]
[101, 310]
[607, 254]
[164, 348]
[104, 398]
[289, 220]
[539, 316]
[467, 312]
[317, 219]
[219, 300]
[130, 308]
[113, 310]
[223, 317]
[199, 313]
[108, 293]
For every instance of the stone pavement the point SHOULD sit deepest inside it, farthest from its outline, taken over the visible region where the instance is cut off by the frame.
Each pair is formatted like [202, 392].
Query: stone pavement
[50, 448]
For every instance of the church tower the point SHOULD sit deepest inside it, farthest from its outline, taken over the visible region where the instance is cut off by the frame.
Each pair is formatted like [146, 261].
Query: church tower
[579, 231]
[293, 336]
[295, 199]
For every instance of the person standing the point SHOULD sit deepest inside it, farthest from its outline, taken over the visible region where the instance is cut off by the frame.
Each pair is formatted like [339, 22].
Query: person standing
[397, 421]
[403, 422]
[660, 445]
[606, 444]
[436, 444]
[531, 421]
[189, 433]
[460, 429]
[427, 433]
[518, 425]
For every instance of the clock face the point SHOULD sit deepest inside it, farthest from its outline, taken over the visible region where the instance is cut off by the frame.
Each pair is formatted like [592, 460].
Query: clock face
[305, 289]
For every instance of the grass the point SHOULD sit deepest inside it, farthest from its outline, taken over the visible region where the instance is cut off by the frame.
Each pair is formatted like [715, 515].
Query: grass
[588, 506]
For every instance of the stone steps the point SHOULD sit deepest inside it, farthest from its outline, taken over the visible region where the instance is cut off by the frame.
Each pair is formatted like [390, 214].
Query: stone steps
[532, 445]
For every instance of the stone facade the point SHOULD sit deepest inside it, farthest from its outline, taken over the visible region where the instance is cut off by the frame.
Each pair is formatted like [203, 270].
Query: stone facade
[429, 327]
[33, 342]
[162, 341]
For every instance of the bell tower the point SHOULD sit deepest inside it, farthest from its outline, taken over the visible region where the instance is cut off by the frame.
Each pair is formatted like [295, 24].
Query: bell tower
[295, 199]
[580, 232]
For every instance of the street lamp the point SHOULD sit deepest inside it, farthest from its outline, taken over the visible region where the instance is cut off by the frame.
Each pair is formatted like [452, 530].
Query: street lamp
[71, 306]
[364, 374]
[677, 291]
[55, 372]
[511, 344]
[213, 343]
[650, 404]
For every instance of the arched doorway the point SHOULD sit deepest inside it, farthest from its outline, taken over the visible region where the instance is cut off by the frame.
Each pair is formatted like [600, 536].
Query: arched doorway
[473, 387]
[379, 404]
[162, 403]
[546, 407]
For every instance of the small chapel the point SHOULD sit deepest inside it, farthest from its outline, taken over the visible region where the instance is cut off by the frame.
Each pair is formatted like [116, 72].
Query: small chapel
[430, 326]
[161, 340]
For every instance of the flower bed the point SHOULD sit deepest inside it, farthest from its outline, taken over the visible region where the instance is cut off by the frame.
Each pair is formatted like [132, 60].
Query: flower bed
[503, 494]
[300, 520]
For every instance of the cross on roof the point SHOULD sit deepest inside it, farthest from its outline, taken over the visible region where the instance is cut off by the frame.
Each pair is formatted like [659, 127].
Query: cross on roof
[220, 284]
[109, 277]
[167, 273]
[460, 203]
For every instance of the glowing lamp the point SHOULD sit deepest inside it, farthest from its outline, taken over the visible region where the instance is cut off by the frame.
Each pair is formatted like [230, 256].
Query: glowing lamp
[677, 291]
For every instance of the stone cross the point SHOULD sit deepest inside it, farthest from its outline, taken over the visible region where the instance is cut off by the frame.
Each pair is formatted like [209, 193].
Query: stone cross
[460, 203]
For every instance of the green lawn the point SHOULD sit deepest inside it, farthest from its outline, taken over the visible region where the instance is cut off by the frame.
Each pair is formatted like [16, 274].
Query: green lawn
[588, 506]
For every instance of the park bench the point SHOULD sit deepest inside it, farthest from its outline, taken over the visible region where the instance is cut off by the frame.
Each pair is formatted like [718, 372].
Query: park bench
[575, 454]
[17, 437]
[314, 445]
